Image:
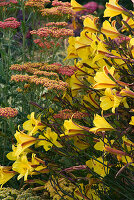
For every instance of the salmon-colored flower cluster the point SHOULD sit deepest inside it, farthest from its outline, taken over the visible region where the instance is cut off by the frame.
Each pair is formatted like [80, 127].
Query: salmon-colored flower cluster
[37, 3]
[54, 32]
[57, 24]
[32, 69]
[56, 3]
[38, 75]
[5, 3]
[8, 112]
[59, 8]
[67, 70]
[10, 23]
[67, 114]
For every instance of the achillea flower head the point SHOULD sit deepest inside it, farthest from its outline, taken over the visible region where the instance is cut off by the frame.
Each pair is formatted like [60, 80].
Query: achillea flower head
[54, 32]
[9, 3]
[19, 78]
[67, 114]
[9, 23]
[8, 112]
[60, 3]
[37, 3]
[67, 70]
[57, 24]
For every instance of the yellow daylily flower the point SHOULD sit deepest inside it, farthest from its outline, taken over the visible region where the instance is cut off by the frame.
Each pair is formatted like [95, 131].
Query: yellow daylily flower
[90, 25]
[33, 125]
[23, 167]
[129, 144]
[103, 81]
[98, 167]
[131, 43]
[71, 51]
[5, 174]
[101, 144]
[72, 129]
[132, 121]
[127, 159]
[76, 6]
[90, 99]
[17, 151]
[100, 124]
[128, 20]
[48, 140]
[109, 29]
[127, 92]
[112, 100]
[75, 84]
[113, 9]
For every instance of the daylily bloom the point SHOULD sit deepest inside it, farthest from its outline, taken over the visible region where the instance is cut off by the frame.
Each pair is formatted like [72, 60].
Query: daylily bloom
[48, 140]
[132, 121]
[113, 9]
[112, 100]
[71, 51]
[127, 92]
[72, 128]
[104, 80]
[90, 25]
[101, 144]
[109, 29]
[127, 159]
[75, 84]
[99, 167]
[76, 6]
[129, 144]
[100, 124]
[89, 99]
[5, 174]
[128, 20]
[33, 125]
[23, 167]
[17, 151]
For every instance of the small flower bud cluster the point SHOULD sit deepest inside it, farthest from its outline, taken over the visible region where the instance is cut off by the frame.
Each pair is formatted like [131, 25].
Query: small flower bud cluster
[32, 68]
[8, 112]
[4, 3]
[10, 23]
[67, 70]
[19, 78]
[60, 3]
[65, 10]
[48, 83]
[67, 114]
[59, 11]
[51, 11]
[54, 32]
[37, 3]
[57, 24]
[49, 67]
